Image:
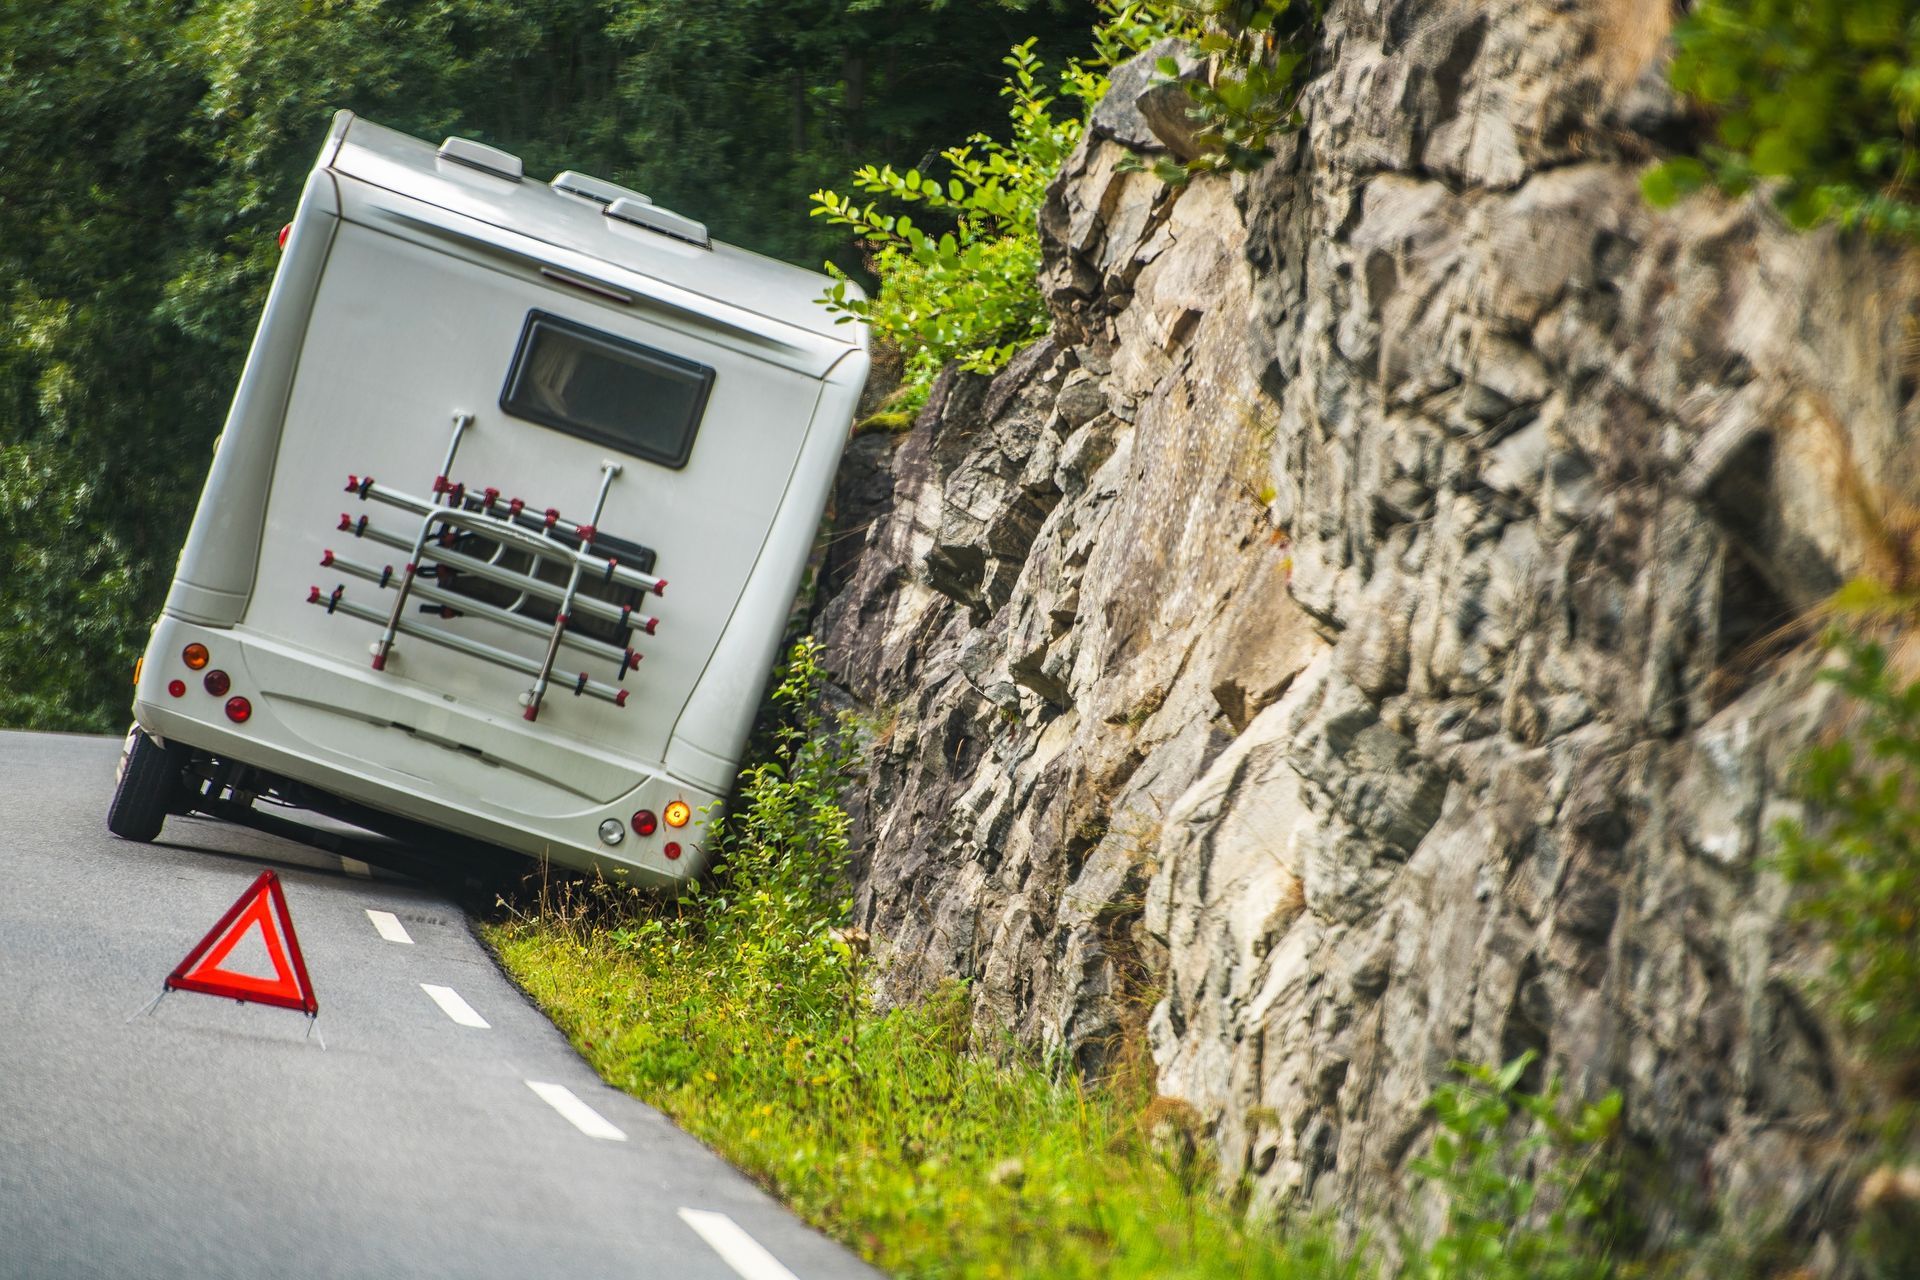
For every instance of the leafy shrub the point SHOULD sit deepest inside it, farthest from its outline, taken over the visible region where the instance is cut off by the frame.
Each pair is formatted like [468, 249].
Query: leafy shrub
[956, 252]
[965, 293]
[1860, 868]
[957, 265]
[1816, 98]
[1539, 1207]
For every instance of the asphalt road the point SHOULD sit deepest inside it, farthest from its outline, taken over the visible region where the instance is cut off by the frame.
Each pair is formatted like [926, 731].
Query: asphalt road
[210, 1138]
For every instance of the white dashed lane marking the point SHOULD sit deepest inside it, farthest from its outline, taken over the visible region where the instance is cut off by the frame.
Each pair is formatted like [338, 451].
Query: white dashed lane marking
[579, 1114]
[389, 926]
[736, 1248]
[453, 1006]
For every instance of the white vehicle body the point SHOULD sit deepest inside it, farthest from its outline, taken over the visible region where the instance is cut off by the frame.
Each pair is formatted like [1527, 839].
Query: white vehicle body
[415, 285]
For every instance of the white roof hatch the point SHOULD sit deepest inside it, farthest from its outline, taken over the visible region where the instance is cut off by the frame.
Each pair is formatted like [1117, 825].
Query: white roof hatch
[478, 155]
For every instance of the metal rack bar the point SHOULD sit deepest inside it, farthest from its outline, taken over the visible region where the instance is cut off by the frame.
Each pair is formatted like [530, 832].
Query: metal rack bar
[624, 660]
[506, 532]
[509, 578]
[608, 470]
[583, 686]
[461, 421]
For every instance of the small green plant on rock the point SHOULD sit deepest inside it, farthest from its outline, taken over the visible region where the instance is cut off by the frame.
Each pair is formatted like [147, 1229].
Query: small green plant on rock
[1537, 1205]
[1817, 99]
[1859, 868]
[1259, 52]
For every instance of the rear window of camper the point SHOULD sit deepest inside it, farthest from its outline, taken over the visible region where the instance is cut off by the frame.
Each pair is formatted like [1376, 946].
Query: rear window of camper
[607, 389]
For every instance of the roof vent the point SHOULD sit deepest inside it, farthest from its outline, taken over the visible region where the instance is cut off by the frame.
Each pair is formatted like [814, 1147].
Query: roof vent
[643, 213]
[598, 190]
[478, 155]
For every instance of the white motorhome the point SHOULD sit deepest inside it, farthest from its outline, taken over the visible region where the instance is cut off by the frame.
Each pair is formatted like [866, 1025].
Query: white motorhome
[506, 521]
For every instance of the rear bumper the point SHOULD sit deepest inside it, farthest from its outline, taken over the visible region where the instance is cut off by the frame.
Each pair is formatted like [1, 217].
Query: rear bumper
[417, 754]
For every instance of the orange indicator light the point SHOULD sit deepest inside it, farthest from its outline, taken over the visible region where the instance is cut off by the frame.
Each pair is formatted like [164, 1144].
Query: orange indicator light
[677, 813]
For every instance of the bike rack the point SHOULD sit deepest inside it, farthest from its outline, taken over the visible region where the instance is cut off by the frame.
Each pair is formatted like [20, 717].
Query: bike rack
[454, 513]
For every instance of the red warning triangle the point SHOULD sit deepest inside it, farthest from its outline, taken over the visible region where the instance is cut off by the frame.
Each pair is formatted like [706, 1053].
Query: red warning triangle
[290, 987]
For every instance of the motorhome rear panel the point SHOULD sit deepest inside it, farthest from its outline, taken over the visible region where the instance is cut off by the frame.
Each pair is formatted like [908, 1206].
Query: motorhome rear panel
[582, 362]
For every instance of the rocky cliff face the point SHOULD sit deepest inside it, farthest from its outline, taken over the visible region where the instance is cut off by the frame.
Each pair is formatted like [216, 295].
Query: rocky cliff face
[1372, 631]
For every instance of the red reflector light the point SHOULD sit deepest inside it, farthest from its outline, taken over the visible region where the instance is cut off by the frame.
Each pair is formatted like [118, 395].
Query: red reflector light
[195, 656]
[239, 710]
[178, 688]
[672, 850]
[284, 233]
[218, 682]
[644, 823]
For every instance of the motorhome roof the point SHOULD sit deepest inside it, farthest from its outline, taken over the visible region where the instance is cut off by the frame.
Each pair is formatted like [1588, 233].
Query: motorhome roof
[669, 252]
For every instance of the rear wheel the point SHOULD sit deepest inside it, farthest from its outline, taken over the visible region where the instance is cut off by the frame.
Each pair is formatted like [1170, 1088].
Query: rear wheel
[150, 785]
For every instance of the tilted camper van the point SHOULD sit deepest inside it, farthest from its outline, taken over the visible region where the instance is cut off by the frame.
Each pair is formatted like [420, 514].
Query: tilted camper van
[506, 521]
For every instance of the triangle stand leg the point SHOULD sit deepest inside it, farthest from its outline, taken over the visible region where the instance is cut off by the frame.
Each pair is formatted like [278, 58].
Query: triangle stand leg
[150, 1005]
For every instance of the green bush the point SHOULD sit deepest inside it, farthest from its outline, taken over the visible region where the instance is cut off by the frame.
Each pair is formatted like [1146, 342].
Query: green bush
[957, 263]
[956, 252]
[966, 292]
[1815, 99]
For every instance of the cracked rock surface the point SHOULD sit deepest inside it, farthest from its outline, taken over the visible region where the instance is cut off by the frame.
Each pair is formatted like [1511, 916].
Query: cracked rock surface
[1371, 631]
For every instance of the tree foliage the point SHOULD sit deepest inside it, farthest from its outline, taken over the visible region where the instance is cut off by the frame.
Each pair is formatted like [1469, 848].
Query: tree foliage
[1816, 100]
[956, 246]
[149, 150]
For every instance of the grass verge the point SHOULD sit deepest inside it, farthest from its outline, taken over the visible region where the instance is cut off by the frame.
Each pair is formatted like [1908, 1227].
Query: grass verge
[889, 1136]
[741, 1013]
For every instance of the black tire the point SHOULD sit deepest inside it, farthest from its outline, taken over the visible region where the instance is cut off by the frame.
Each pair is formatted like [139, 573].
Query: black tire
[150, 784]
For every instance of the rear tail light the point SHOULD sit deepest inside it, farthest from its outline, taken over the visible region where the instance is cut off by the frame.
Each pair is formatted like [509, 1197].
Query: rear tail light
[218, 682]
[644, 823]
[672, 850]
[239, 710]
[178, 688]
[284, 233]
[195, 656]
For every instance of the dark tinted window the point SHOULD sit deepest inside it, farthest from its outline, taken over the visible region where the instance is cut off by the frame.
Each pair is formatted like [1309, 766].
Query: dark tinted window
[619, 393]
